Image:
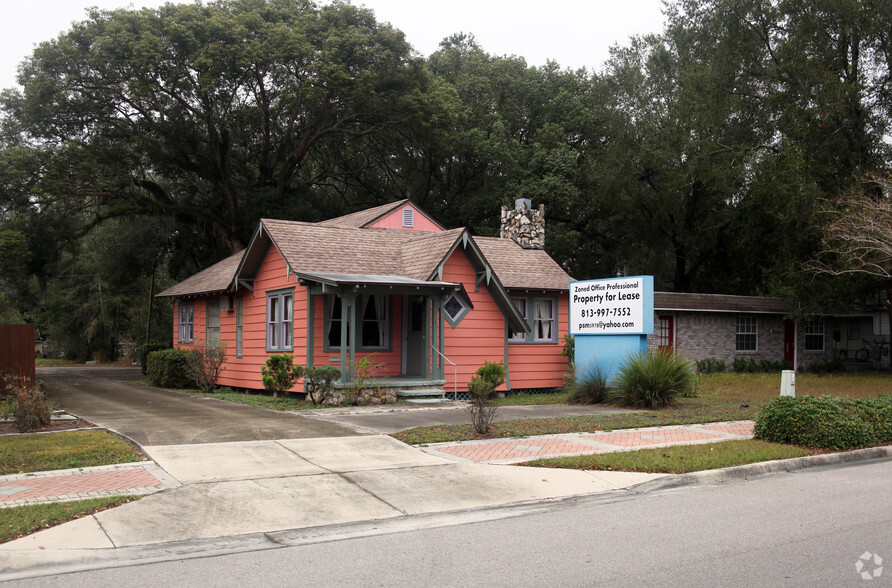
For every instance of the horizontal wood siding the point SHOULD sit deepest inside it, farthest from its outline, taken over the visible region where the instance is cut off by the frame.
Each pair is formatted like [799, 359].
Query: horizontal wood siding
[17, 351]
[540, 365]
[480, 336]
[244, 372]
[394, 220]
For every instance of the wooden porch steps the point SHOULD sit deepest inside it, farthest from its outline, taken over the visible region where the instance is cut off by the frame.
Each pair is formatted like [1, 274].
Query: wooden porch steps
[422, 395]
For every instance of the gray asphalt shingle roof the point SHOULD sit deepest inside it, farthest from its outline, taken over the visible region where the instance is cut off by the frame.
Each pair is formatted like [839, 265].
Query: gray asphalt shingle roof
[216, 278]
[344, 248]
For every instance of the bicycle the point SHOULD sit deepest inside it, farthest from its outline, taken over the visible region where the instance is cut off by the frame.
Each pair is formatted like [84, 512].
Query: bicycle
[875, 351]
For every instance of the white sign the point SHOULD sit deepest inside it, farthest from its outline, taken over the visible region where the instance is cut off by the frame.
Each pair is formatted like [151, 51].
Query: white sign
[612, 306]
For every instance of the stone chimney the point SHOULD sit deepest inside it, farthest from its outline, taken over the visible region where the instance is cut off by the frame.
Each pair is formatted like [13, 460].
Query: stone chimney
[524, 225]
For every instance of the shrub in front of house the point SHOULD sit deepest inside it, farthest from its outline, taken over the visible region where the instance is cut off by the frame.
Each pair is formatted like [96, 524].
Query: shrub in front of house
[590, 386]
[493, 373]
[170, 368]
[482, 409]
[206, 365]
[826, 422]
[25, 404]
[745, 365]
[147, 349]
[774, 365]
[280, 373]
[652, 380]
[711, 365]
[748, 365]
[829, 366]
[319, 382]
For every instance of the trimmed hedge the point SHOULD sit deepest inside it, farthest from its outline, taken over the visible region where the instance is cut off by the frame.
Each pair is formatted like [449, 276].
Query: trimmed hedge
[169, 368]
[145, 350]
[828, 422]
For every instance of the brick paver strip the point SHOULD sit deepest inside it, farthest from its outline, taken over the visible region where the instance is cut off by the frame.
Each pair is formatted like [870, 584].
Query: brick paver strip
[557, 445]
[745, 429]
[76, 484]
[514, 449]
[645, 438]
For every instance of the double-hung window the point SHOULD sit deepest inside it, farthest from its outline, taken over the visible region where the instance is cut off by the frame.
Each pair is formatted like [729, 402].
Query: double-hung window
[747, 334]
[814, 334]
[543, 320]
[541, 315]
[280, 320]
[186, 322]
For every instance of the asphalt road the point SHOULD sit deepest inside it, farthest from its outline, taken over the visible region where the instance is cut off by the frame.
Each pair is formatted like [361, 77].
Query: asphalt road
[809, 528]
[112, 397]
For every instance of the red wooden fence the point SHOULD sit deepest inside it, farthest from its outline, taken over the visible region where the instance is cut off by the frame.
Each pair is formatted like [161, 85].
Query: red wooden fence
[17, 351]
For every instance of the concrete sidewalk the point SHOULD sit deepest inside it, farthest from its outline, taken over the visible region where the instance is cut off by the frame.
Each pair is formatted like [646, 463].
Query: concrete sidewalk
[217, 491]
[229, 497]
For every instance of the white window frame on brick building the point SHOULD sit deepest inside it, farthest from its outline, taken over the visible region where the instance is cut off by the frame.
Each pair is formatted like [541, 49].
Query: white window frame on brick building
[747, 333]
[814, 334]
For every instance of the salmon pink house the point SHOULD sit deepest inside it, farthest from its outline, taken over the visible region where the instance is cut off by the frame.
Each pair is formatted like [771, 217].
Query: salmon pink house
[428, 305]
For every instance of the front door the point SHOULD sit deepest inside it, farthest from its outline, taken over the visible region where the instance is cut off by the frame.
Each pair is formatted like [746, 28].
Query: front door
[415, 336]
[665, 332]
[790, 342]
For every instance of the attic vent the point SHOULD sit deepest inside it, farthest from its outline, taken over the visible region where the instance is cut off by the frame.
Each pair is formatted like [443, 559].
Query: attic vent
[408, 218]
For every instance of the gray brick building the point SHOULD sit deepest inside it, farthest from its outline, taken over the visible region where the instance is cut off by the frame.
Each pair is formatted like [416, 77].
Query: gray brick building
[701, 326]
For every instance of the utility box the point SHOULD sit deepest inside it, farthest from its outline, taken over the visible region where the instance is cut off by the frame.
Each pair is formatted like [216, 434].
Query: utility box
[788, 383]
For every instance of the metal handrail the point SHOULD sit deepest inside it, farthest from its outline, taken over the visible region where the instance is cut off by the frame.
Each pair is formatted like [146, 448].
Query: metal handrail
[454, 374]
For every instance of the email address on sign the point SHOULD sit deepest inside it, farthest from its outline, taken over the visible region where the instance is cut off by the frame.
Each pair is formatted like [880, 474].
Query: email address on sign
[606, 325]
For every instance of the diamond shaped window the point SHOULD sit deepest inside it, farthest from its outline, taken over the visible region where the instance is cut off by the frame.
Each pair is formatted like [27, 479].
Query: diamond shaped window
[454, 307]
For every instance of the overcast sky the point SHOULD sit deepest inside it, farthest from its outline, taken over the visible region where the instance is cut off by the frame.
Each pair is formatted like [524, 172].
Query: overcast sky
[575, 33]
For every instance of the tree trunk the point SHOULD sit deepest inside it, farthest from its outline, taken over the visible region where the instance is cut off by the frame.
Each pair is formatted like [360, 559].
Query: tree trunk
[151, 299]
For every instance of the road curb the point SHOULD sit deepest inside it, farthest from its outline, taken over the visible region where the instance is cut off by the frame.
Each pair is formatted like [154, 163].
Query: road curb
[765, 468]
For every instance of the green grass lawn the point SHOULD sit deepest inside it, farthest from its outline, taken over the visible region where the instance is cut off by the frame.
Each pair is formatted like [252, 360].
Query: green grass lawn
[255, 399]
[722, 397]
[522, 399]
[59, 451]
[679, 459]
[18, 521]
[50, 362]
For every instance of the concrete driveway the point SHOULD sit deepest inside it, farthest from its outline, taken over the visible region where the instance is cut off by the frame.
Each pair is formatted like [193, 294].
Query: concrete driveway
[112, 397]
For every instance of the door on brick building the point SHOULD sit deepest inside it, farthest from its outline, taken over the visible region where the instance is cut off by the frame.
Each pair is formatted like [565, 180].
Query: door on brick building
[665, 332]
[790, 342]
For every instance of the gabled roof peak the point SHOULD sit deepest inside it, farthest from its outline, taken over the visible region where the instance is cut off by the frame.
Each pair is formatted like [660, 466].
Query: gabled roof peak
[364, 219]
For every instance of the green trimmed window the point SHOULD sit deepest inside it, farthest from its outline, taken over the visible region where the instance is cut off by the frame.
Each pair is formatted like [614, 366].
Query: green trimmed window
[373, 314]
[540, 313]
[280, 320]
[186, 324]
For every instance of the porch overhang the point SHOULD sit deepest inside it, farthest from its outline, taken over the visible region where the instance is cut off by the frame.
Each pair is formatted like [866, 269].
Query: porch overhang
[323, 282]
